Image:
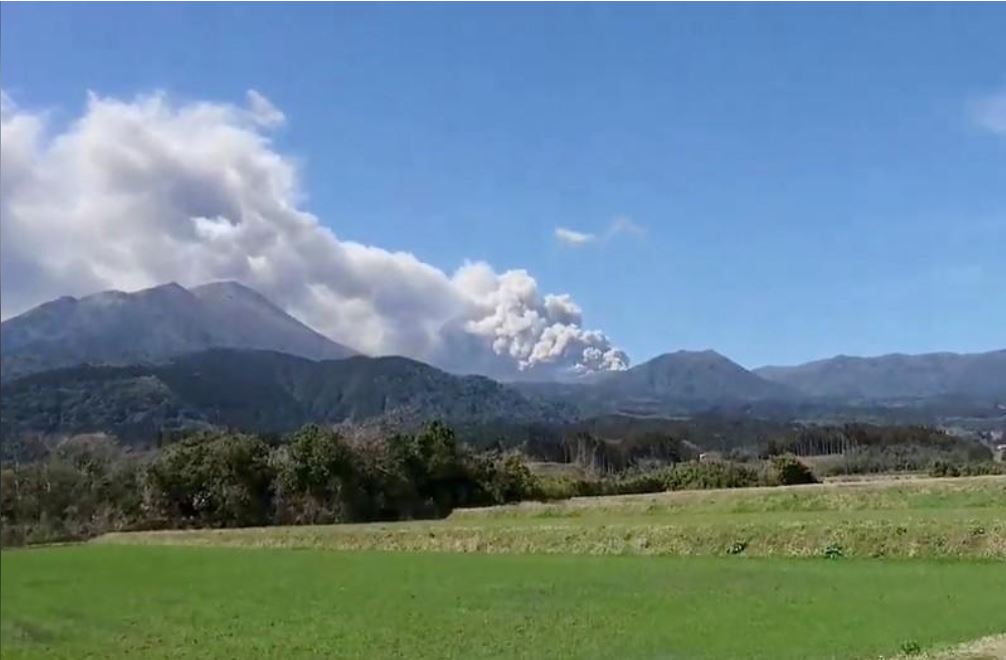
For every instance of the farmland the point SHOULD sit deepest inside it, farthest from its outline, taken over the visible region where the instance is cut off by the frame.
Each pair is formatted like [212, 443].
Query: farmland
[828, 571]
[105, 601]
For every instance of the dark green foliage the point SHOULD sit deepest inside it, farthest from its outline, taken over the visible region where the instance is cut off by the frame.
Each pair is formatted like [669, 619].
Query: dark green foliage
[870, 439]
[211, 480]
[88, 486]
[507, 478]
[867, 448]
[316, 478]
[788, 471]
[711, 474]
[960, 469]
[691, 475]
[904, 458]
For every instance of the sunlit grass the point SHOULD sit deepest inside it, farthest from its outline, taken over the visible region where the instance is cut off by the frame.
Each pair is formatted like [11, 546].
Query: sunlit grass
[160, 602]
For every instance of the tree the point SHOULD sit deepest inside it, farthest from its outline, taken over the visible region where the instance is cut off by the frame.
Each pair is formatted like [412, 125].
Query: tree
[317, 480]
[217, 480]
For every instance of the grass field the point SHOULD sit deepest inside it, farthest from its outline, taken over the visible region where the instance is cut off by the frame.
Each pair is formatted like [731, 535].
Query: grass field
[913, 561]
[159, 602]
[930, 518]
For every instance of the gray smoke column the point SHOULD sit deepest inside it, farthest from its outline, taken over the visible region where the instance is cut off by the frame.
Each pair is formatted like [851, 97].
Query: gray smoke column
[139, 192]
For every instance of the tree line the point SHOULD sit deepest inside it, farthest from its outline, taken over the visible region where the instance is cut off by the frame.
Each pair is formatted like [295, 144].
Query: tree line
[89, 485]
[827, 440]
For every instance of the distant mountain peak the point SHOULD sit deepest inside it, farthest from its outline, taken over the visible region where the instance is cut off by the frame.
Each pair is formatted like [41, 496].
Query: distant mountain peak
[707, 353]
[154, 324]
[693, 375]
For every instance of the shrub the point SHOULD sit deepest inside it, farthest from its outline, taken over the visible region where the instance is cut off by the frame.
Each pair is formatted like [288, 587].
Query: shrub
[508, 479]
[967, 469]
[788, 471]
[906, 457]
[713, 474]
[737, 547]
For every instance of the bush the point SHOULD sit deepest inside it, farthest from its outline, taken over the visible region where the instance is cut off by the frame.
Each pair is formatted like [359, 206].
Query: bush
[788, 471]
[972, 469]
[692, 475]
[904, 458]
[713, 474]
[508, 479]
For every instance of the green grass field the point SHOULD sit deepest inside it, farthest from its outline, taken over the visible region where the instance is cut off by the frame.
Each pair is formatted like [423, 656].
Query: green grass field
[119, 601]
[918, 561]
[926, 518]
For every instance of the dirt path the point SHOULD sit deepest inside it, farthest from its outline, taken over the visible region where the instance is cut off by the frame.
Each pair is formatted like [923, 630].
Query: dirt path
[989, 648]
[986, 648]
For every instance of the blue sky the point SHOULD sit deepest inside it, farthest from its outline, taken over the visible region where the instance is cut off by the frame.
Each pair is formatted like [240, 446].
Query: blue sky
[812, 180]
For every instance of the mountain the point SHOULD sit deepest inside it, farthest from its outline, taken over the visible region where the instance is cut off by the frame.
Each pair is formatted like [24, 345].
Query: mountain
[898, 376]
[117, 328]
[260, 391]
[679, 383]
[693, 376]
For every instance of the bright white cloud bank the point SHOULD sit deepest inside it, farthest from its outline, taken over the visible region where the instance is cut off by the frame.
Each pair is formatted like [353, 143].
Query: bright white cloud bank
[140, 192]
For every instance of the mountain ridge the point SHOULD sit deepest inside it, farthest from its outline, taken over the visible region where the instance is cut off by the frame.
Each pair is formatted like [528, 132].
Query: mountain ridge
[69, 339]
[897, 376]
[262, 391]
[150, 325]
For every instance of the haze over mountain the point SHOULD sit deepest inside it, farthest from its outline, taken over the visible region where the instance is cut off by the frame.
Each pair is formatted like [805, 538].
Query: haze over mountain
[897, 376]
[118, 328]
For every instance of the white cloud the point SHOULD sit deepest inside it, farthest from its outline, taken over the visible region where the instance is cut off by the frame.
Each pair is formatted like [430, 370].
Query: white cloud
[624, 225]
[144, 191]
[990, 113]
[620, 225]
[263, 111]
[572, 238]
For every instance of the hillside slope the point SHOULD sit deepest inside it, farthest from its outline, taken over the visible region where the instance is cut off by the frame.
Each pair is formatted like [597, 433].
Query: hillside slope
[257, 391]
